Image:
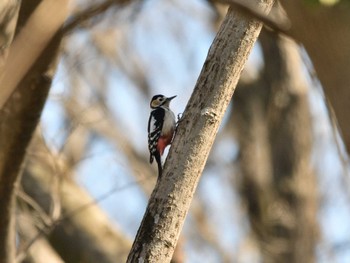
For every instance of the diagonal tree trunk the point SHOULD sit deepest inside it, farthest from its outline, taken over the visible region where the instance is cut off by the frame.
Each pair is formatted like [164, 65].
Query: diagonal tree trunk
[171, 198]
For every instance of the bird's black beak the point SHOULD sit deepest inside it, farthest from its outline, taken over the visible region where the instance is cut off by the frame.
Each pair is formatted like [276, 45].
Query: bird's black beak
[170, 98]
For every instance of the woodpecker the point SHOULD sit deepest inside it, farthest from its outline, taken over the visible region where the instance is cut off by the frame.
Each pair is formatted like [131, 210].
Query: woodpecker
[161, 128]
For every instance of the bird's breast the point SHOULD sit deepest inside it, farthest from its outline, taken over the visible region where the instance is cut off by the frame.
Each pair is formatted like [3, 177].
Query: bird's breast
[169, 122]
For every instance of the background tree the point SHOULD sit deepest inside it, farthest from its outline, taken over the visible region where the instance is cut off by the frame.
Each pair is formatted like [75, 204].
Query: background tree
[272, 121]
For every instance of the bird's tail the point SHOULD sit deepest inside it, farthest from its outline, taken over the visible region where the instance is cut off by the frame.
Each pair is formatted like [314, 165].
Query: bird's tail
[159, 162]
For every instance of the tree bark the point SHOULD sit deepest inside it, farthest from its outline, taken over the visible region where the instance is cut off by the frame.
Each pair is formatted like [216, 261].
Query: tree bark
[171, 198]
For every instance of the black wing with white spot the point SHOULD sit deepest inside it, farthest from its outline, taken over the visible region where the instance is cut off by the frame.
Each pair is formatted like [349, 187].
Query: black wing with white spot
[155, 126]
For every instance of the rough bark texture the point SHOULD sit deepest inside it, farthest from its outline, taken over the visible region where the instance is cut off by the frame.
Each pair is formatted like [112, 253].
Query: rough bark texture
[325, 33]
[18, 119]
[275, 140]
[170, 201]
[83, 232]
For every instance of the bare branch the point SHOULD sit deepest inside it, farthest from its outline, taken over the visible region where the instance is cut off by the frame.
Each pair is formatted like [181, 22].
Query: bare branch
[42, 251]
[92, 12]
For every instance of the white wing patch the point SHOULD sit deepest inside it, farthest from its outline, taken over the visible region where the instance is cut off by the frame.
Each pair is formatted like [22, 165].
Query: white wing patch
[153, 124]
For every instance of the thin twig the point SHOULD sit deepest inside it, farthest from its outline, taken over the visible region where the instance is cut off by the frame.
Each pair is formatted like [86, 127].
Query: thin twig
[91, 12]
[35, 206]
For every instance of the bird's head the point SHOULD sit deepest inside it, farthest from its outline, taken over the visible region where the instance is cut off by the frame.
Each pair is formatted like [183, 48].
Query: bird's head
[160, 100]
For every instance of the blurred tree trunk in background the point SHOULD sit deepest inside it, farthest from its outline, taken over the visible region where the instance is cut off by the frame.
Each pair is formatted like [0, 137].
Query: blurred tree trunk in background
[79, 230]
[325, 33]
[272, 119]
[77, 238]
[18, 119]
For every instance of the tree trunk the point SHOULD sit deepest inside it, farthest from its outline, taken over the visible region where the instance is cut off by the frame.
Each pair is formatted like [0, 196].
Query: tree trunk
[171, 198]
[81, 232]
[274, 132]
[18, 119]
